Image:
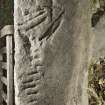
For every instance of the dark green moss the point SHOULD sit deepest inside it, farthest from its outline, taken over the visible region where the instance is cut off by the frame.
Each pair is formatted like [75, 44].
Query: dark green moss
[6, 12]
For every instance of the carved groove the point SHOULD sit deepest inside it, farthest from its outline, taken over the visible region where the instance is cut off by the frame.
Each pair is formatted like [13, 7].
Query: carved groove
[30, 17]
[32, 92]
[32, 72]
[26, 80]
[51, 29]
[34, 22]
[32, 100]
[33, 103]
[28, 85]
[30, 80]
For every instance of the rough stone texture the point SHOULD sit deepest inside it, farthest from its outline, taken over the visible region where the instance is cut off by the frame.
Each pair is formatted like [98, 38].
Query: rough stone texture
[51, 52]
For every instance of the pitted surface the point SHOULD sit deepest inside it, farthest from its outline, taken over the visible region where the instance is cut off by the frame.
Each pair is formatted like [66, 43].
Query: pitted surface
[51, 46]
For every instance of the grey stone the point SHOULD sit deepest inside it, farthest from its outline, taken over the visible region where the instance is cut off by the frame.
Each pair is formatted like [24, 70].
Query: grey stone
[51, 52]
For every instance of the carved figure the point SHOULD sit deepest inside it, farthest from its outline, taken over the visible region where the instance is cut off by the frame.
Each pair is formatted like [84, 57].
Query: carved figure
[41, 17]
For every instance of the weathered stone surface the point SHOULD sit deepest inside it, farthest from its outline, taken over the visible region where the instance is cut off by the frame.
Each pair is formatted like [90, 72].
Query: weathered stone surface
[51, 52]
